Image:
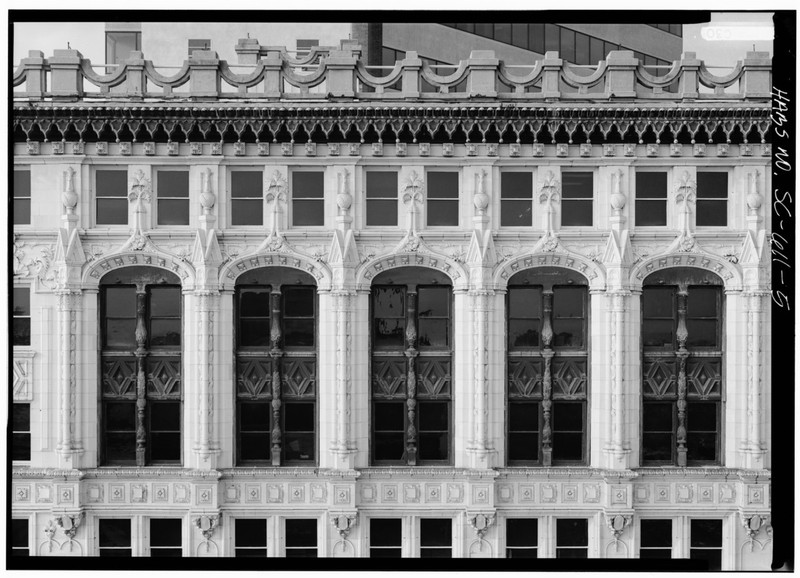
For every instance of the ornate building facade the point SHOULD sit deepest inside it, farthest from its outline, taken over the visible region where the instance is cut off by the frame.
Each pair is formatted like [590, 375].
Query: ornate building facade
[306, 309]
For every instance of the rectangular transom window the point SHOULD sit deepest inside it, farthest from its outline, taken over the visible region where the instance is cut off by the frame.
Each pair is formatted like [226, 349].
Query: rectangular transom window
[442, 202]
[577, 194]
[656, 539]
[522, 538]
[308, 204]
[111, 196]
[22, 196]
[21, 304]
[572, 538]
[435, 538]
[114, 537]
[706, 542]
[247, 198]
[651, 199]
[712, 199]
[19, 537]
[166, 537]
[172, 193]
[516, 199]
[301, 538]
[381, 198]
[250, 537]
[21, 431]
[385, 538]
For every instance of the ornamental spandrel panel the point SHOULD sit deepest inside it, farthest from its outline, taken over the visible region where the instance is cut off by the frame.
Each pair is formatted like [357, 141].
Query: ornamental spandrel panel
[254, 377]
[705, 378]
[434, 377]
[569, 378]
[389, 377]
[299, 377]
[163, 377]
[119, 377]
[525, 378]
[659, 378]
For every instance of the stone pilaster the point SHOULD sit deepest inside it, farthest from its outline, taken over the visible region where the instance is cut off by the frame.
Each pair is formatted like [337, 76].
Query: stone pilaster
[69, 445]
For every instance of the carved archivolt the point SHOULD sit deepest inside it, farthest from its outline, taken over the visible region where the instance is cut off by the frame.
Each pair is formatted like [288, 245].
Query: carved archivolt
[594, 272]
[730, 273]
[410, 257]
[286, 258]
[95, 270]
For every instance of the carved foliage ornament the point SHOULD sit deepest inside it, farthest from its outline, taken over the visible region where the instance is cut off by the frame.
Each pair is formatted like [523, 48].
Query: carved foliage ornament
[277, 188]
[686, 191]
[140, 188]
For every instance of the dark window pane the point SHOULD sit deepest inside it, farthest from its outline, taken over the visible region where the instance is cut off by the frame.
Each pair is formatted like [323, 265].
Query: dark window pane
[577, 185]
[298, 332]
[299, 301]
[434, 301]
[551, 37]
[519, 35]
[712, 185]
[713, 557]
[389, 446]
[120, 302]
[389, 332]
[706, 534]
[522, 532]
[120, 332]
[21, 447]
[525, 302]
[442, 185]
[22, 211]
[22, 184]
[433, 416]
[381, 213]
[246, 212]
[165, 332]
[307, 185]
[442, 213]
[662, 553]
[389, 302]
[22, 331]
[568, 332]
[173, 211]
[567, 446]
[596, 53]
[516, 213]
[433, 333]
[568, 416]
[651, 213]
[114, 533]
[254, 416]
[165, 301]
[702, 332]
[536, 37]
[657, 447]
[658, 302]
[120, 447]
[308, 212]
[436, 532]
[435, 553]
[19, 534]
[298, 417]
[523, 332]
[301, 533]
[523, 446]
[433, 446]
[173, 184]
[251, 533]
[165, 447]
[712, 213]
[165, 415]
[657, 333]
[657, 417]
[702, 302]
[298, 447]
[568, 302]
[254, 302]
[381, 184]
[523, 416]
[657, 533]
[571, 553]
[165, 532]
[112, 184]
[254, 332]
[572, 533]
[385, 532]
[120, 416]
[568, 45]
[247, 184]
[112, 211]
[582, 49]
[255, 446]
[484, 29]
[576, 213]
[389, 416]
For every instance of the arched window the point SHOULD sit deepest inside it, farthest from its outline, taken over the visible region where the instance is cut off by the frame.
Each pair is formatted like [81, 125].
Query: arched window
[276, 367]
[412, 348]
[140, 328]
[547, 367]
[681, 367]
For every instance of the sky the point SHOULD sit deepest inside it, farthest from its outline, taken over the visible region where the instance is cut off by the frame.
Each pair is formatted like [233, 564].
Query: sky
[88, 37]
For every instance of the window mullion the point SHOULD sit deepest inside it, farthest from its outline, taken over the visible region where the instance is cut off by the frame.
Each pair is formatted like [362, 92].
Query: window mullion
[141, 379]
[411, 379]
[276, 353]
[682, 354]
[547, 378]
